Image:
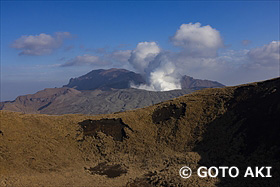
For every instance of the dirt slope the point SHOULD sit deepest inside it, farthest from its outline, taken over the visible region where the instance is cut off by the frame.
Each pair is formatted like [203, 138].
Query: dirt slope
[234, 126]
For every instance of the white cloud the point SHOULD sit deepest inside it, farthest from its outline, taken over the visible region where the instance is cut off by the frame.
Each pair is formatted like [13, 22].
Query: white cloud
[198, 58]
[120, 55]
[234, 58]
[246, 42]
[101, 50]
[197, 40]
[236, 67]
[267, 55]
[163, 70]
[41, 44]
[84, 60]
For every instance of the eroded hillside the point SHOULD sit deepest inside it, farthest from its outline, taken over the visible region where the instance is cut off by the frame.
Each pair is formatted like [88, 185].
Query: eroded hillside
[232, 126]
[65, 100]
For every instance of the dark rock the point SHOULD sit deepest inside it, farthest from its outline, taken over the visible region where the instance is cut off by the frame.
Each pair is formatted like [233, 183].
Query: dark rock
[110, 171]
[111, 127]
[167, 112]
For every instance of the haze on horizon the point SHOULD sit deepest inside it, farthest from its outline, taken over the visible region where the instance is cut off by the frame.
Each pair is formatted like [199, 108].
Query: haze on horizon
[44, 44]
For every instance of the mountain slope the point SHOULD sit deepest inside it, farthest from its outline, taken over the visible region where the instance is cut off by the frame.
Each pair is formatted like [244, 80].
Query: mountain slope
[34, 103]
[99, 92]
[105, 79]
[121, 79]
[232, 126]
[70, 101]
[188, 82]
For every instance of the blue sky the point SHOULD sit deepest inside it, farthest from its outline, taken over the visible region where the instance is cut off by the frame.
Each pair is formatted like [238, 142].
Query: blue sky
[101, 28]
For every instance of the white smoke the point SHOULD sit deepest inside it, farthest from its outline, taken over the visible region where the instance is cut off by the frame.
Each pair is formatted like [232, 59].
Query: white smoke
[153, 64]
[161, 69]
[165, 78]
[144, 53]
[161, 75]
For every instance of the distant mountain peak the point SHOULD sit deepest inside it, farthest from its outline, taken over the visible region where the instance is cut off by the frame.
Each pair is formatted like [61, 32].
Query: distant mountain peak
[121, 79]
[100, 91]
[188, 82]
[106, 79]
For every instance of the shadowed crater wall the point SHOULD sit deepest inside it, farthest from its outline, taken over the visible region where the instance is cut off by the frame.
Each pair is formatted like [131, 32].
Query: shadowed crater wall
[246, 135]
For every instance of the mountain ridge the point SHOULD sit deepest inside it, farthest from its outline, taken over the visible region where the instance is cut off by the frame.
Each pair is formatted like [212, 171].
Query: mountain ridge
[188, 82]
[106, 79]
[100, 91]
[66, 100]
[122, 78]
